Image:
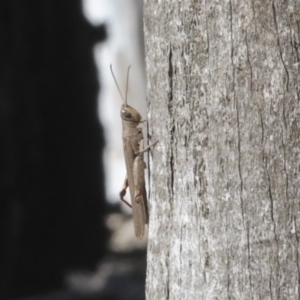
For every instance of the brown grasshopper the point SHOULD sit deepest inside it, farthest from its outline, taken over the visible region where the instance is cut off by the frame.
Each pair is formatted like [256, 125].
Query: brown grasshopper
[133, 143]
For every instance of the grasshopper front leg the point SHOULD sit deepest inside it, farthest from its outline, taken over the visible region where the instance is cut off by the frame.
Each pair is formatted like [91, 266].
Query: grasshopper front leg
[123, 191]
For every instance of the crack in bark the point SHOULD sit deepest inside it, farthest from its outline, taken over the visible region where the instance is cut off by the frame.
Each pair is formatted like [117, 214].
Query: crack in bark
[270, 196]
[286, 174]
[297, 256]
[168, 276]
[171, 160]
[249, 258]
[172, 131]
[279, 47]
[239, 160]
[262, 134]
[295, 47]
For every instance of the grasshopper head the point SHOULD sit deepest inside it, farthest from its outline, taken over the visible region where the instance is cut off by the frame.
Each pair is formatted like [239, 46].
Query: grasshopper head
[129, 114]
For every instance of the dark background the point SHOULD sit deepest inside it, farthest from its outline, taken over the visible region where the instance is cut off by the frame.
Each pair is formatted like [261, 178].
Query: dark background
[51, 176]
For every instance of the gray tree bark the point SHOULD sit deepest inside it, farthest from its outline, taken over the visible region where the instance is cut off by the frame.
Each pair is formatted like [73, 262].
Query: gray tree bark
[223, 86]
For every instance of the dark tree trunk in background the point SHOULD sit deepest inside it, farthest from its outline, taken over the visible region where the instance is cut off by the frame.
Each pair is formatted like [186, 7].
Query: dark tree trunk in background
[52, 188]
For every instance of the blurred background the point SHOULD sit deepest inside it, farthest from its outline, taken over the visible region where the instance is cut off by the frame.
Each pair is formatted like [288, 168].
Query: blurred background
[63, 232]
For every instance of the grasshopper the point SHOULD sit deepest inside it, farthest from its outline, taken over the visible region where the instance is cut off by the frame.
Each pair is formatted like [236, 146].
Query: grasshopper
[133, 144]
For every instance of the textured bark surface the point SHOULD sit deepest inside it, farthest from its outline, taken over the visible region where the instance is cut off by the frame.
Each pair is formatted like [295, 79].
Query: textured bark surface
[223, 87]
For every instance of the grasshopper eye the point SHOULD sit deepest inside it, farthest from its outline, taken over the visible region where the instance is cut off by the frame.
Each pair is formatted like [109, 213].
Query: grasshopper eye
[126, 114]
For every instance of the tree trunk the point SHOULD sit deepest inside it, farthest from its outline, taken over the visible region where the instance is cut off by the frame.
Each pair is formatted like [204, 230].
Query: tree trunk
[223, 87]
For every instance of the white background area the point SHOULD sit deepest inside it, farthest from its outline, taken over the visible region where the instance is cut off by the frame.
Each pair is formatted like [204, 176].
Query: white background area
[123, 47]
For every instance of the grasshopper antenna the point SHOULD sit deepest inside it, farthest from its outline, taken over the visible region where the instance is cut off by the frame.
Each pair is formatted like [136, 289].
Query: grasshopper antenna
[127, 84]
[112, 73]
